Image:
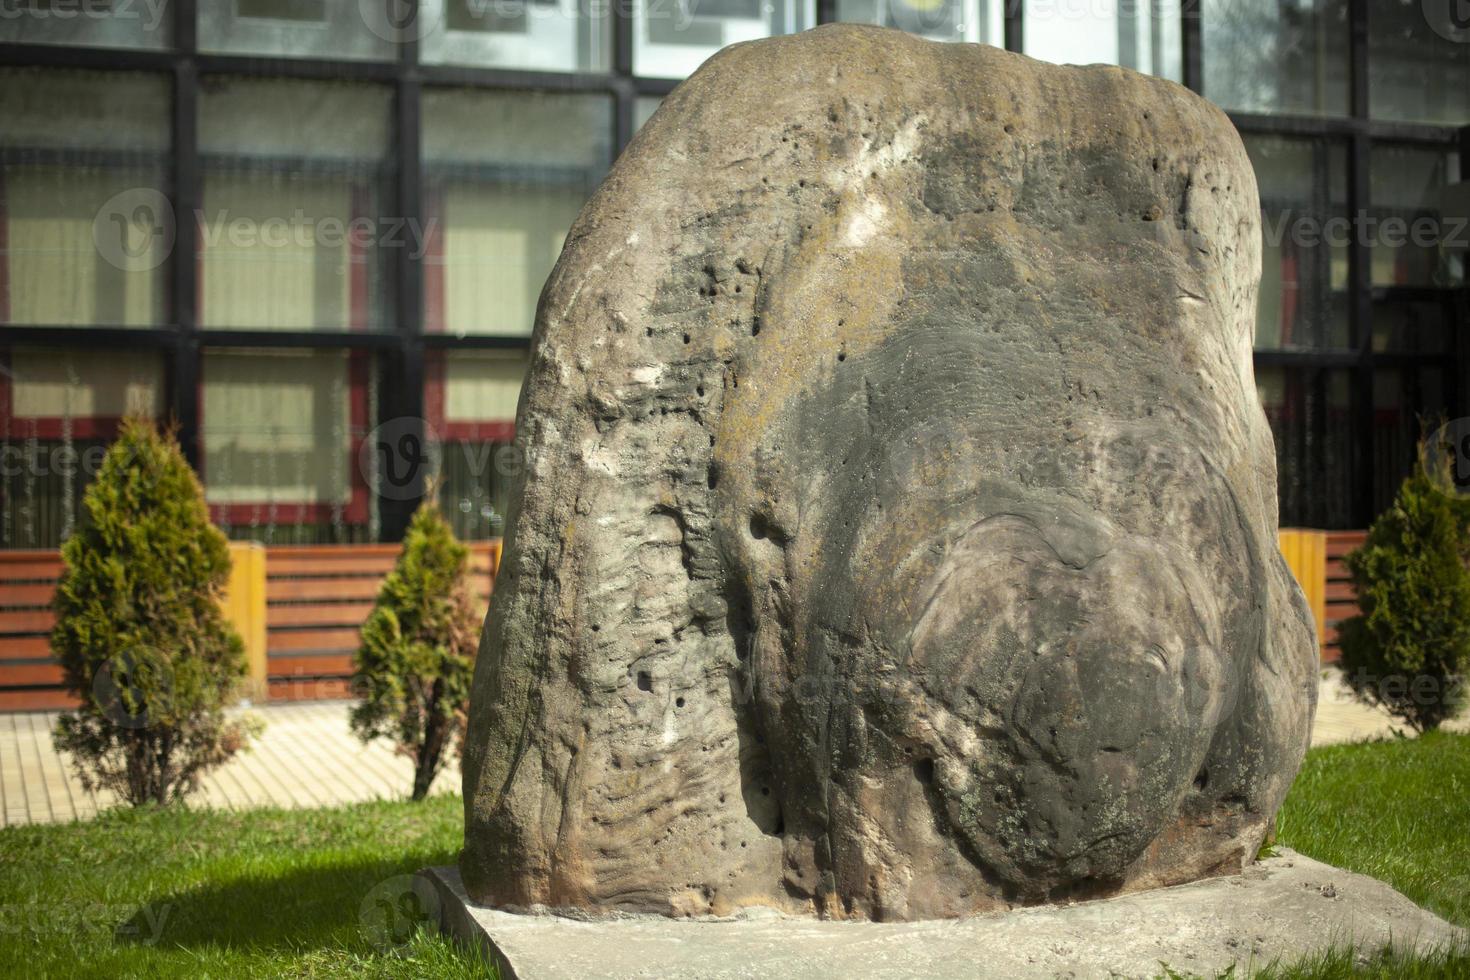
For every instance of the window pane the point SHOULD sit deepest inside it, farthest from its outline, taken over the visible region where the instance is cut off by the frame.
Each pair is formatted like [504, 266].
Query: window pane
[305, 28]
[1305, 235]
[1406, 402]
[85, 224]
[63, 410]
[671, 38]
[96, 23]
[295, 233]
[1412, 326]
[281, 430]
[1419, 61]
[505, 174]
[1416, 241]
[939, 20]
[545, 35]
[1267, 56]
[1308, 410]
[1140, 34]
[471, 402]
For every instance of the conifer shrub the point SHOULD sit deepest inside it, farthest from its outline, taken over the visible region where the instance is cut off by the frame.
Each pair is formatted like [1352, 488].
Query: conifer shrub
[140, 634]
[416, 658]
[1408, 650]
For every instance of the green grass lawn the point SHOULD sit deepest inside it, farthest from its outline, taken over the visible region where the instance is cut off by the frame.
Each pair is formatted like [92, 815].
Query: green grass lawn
[261, 893]
[300, 892]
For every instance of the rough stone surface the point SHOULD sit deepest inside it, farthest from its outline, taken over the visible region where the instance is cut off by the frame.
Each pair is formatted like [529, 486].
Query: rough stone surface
[897, 534]
[1284, 909]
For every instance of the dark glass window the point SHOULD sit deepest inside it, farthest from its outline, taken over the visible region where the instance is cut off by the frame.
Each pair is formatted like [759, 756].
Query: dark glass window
[282, 432]
[1408, 404]
[1268, 56]
[1419, 61]
[88, 23]
[505, 175]
[1305, 237]
[59, 410]
[1309, 410]
[1416, 239]
[542, 35]
[671, 38]
[307, 28]
[86, 227]
[471, 401]
[296, 231]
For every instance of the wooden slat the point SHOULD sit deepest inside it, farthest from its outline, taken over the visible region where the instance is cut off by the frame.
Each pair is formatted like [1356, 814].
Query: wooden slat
[1340, 591]
[333, 664]
[292, 552]
[324, 639]
[277, 590]
[26, 595]
[26, 621]
[318, 614]
[30, 675]
[1340, 543]
[46, 569]
[36, 699]
[24, 647]
[342, 565]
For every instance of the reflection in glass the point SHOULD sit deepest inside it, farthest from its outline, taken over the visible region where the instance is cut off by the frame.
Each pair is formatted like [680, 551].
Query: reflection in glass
[543, 35]
[294, 233]
[1419, 61]
[86, 228]
[939, 20]
[1305, 237]
[1416, 240]
[1144, 36]
[145, 24]
[505, 174]
[303, 28]
[671, 38]
[1267, 56]
[1309, 413]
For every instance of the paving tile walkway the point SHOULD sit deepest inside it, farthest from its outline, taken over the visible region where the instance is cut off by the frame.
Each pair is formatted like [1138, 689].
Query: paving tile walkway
[307, 757]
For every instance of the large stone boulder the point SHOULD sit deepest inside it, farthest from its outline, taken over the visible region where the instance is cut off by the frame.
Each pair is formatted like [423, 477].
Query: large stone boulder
[897, 536]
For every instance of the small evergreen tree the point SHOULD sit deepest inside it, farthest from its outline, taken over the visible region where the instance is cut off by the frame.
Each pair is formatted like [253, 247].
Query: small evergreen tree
[139, 632]
[1409, 648]
[415, 662]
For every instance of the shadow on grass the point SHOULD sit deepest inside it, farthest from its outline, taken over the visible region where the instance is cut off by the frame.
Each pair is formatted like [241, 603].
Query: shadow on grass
[368, 905]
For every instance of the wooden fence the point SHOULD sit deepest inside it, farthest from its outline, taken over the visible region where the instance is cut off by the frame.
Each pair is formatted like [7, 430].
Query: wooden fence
[297, 608]
[300, 609]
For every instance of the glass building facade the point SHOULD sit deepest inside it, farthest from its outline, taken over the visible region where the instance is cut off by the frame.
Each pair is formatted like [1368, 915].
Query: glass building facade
[283, 224]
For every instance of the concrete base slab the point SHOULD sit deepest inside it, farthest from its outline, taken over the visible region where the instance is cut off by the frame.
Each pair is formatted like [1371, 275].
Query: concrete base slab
[1282, 909]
